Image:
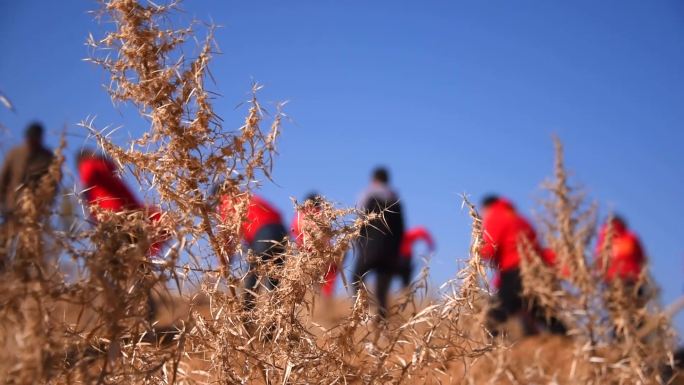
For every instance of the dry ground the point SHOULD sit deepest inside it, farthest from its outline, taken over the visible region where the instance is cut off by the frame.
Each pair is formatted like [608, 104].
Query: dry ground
[524, 357]
[543, 353]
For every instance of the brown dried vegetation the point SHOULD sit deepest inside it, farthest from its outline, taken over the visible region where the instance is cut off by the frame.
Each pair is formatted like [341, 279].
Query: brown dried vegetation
[95, 328]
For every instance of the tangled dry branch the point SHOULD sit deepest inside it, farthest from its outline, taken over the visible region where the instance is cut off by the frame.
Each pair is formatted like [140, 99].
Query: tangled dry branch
[101, 326]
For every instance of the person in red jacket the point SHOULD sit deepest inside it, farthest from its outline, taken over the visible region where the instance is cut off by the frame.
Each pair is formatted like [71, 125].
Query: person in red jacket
[263, 231]
[625, 257]
[405, 264]
[105, 190]
[504, 230]
[299, 223]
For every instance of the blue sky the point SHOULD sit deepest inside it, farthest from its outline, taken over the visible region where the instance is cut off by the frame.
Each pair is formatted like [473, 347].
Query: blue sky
[454, 96]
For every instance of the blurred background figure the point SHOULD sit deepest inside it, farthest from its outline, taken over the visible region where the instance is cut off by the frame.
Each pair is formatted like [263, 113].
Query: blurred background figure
[504, 233]
[380, 240]
[23, 167]
[405, 263]
[263, 231]
[624, 257]
[105, 190]
[304, 218]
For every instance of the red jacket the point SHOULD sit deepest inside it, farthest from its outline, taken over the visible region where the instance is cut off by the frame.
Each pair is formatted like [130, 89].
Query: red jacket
[297, 228]
[104, 188]
[260, 213]
[503, 230]
[411, 237]
[300, 221]
[625, 256]
[107, 191]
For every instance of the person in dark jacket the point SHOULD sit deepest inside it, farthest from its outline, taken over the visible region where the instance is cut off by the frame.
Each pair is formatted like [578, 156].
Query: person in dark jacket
[378, 246]
[23, 167]
[405, 264]
[264, 233]
[504, 231]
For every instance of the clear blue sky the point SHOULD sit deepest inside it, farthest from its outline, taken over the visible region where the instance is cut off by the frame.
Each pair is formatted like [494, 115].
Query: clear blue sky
[453, 96]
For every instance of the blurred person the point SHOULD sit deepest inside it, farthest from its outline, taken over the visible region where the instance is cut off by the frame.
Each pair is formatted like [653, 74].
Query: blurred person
[105, 190]
[23, 167]
[263, 231]
[301, 220]
[405, 264]
[625, 257]
[380, 240]
[621, 259]
[21, 172]
[504, 231]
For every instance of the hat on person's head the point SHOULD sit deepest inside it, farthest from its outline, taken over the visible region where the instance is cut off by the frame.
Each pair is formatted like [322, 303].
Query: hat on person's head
[314, 197]
[618, 222]
[34, 130]
[489, 200]
[381, 174]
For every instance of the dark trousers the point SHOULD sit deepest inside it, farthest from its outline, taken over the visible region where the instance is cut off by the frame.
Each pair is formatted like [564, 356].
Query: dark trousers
[405, 271]
[373, 259]
[268, 246]
[509, 302]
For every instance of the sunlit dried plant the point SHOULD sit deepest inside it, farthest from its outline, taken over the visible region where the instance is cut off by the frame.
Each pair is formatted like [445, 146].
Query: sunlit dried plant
[102, 326]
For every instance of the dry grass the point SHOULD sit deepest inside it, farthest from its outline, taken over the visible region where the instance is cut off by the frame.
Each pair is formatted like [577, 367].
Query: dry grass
[95, 328]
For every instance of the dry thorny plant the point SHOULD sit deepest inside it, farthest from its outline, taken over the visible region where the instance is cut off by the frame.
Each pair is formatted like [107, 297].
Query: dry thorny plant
[96, 328]
[618, 328]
